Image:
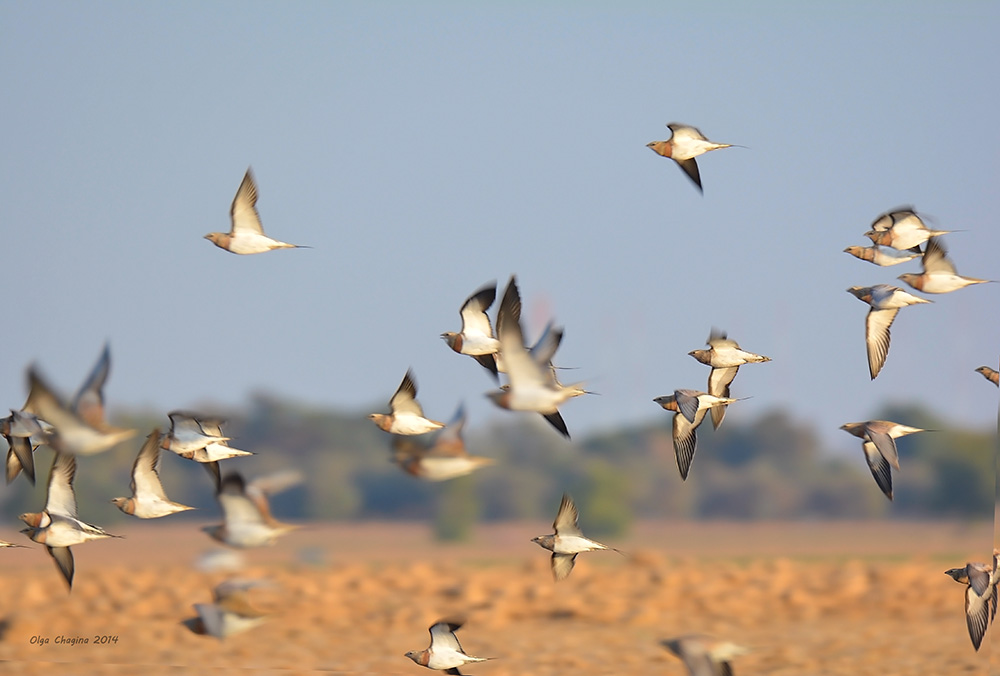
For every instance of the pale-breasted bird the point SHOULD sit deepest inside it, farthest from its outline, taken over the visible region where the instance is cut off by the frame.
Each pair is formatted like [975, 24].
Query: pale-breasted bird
[725, 357]
[247, 520]
[532, 386]
[689, 407]
[445, 652]
[57, 526]
[885, 302]
[567, 540]
[246, 234]
[980, 596]
[476, 338]
[880, 447]
[939, 274]
[149, 500]
[900, 229]
[685, 144]
[446, 458]
[406, 416]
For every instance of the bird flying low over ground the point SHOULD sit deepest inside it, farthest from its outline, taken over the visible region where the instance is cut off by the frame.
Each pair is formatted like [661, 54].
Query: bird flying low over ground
[689, 407]
[704, 655]
[980, 595]
[567, 540]
[476, 338]
[246, 234]
[247, 520]
[57, 526]
[445, 652]
[725, 357]
[533, 385]
[939, 274]
[406, 416]
[880, 447]
[200, 439]
[78, 431]
[685, 144]
[901, 229]
[231, 611]
[149, 500]
[885, 302]
[446, 458]
[24, 433]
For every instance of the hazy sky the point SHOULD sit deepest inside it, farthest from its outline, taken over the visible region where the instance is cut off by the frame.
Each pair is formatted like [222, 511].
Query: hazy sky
[425, 150]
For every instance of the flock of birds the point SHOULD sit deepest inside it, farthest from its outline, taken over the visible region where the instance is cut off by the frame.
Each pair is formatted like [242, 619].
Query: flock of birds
[78, 428]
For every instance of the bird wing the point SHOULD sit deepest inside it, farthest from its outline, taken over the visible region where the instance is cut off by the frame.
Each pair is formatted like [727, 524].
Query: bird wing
[562, 565]
[690, 168]
[977, 614]
[20, 456]
[473, 312]
[63, 557]
[61, 498]
[449, 441]
[686, 440]
[718, 386]
[243, 213]
[89, 401]
[236, 506]
[405, 398]
[567, 518]
[556, 420]
[879, 467]
[687, 403]
[877, 337]
[443, 636]
[884, 442]
[685, 132]
[936, 257]
[145, 477]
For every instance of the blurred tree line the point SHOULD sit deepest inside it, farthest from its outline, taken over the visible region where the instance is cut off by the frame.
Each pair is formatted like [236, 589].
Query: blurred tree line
[771, 468]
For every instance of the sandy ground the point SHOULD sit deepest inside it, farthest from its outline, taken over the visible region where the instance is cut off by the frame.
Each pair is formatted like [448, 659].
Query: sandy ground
[806, 598]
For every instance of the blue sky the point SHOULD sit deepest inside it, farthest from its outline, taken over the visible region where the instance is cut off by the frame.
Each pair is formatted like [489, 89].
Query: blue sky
[425, 150]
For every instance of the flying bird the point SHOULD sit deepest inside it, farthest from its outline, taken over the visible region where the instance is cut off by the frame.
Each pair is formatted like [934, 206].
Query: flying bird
[200, 439]
[72, 432]
[88, 405]
[476, 338]
[533, 385]
[725, 357]
[407, 416]
[446, 458]
[567, 540]
[231, 611]
[939, 274]
[879, 445]
[149, 500]
[685, 144]
[689, 407]
[246, 234]
[990, 374]
[885, 302]
[57, 526]
[704, 655]
[879, 256]
[247, 520]
[980, 596]
[445, 652]
[901, 229]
